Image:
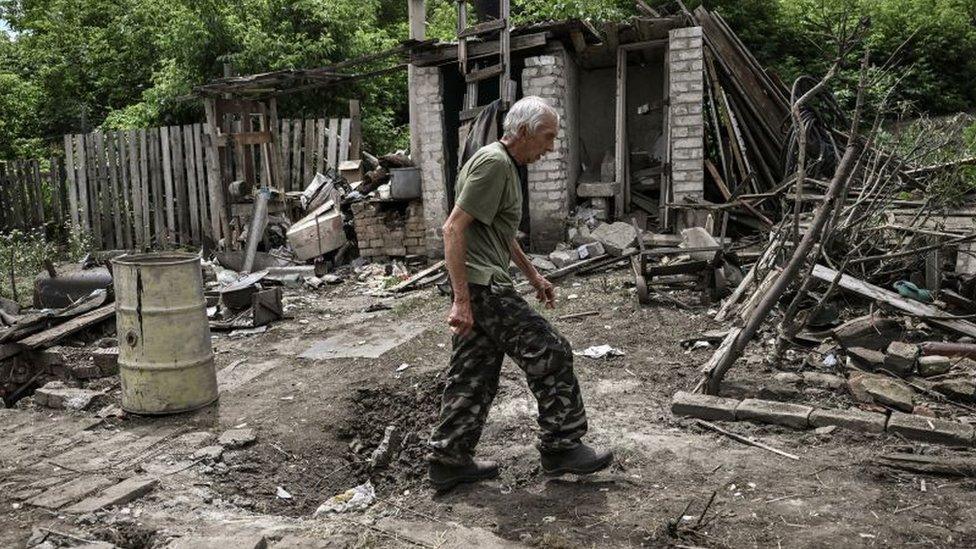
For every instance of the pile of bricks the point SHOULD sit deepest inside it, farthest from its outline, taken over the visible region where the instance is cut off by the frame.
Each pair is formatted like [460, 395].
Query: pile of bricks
[390, 229]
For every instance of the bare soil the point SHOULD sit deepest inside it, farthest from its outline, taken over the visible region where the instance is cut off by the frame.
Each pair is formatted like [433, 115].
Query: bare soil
[318, 421]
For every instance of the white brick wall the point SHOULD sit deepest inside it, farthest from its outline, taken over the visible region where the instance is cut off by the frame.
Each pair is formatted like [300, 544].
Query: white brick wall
[430, 108]
[685, 90]
[554, 77]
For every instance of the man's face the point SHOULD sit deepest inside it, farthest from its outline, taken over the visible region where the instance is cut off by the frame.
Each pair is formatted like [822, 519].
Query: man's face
[539, 143]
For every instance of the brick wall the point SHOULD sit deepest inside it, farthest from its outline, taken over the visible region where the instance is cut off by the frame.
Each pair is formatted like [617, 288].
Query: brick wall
[430, 119]
[552, 180]
[390, 229]
[686, 149]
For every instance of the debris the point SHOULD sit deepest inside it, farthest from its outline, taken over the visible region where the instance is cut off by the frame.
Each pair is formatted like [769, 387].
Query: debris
[402, 367]
[824, 381]
[825, 430]
[744, 440]
[573, 316]
[317, 233]
[353, 499]
[616, 237]
[55, 394]
[852, 419]
[420, 278]
[388, 449]
[211, 453]
[281, 493]
[867, 358]
[236, 438]
[542, 264]
[949, 349]
[110, 410]
[769, 411]
[954, 466]
[599, 351]
[592, 249]
[933, 365]
[926, 429]
[961, 390]
[911, 291]
[900, 357]
[887, 391]
[562, 258]
[248, 331]
[128, 490]
[703, 406]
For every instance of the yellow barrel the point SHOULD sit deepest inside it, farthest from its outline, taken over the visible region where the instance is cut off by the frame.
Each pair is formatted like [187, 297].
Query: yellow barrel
[165, 357]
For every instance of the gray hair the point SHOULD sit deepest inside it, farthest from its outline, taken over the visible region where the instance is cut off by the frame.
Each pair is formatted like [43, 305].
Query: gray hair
[528, 113]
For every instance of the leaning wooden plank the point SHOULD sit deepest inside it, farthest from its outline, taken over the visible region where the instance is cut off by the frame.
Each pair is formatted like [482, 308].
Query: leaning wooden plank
[168, 198]
[53, 335]
[344, 141]
[206, 231]
[191, 185]
[69, 167]
[932, 314]
[115, 195]
[333, 151]
[406, 284]
[296, 157]
[135, 188]
[215, 185]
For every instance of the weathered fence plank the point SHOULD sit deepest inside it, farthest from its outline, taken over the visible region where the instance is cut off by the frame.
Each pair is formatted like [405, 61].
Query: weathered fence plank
[333, 154]
[296, 158]
[191, 184]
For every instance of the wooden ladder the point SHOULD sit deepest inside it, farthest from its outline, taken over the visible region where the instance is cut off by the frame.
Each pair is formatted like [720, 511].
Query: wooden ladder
[473, 74]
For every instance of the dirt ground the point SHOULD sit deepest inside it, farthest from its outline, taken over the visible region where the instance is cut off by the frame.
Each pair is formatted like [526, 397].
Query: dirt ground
[317, 422]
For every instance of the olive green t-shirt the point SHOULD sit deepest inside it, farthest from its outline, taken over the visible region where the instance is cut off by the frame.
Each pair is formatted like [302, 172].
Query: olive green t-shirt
[488, 189]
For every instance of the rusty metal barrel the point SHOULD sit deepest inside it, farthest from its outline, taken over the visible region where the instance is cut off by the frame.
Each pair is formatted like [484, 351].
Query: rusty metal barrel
[165, 356]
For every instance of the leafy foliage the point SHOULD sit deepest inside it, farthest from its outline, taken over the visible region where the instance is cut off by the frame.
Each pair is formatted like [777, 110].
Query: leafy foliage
[73, 65]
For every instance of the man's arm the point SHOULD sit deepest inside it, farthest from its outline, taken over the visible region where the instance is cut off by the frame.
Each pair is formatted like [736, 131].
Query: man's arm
[543, 288]
[461, 319]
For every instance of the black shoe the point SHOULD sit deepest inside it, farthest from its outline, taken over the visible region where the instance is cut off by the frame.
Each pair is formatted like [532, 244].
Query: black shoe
[581, 460]
[444, 477]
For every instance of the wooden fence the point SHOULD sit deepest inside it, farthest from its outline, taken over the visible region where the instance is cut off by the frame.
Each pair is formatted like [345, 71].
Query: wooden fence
[153, 188]
[32, 195]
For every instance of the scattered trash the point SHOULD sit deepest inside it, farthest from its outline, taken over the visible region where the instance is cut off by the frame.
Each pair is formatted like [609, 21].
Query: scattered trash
[402, 367]
[353, 499]
[282, 493]
[599, 351]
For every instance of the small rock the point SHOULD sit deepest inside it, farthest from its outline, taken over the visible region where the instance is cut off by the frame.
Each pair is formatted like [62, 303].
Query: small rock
[542, 263]
[788, 377]
[237, 438]
[825, 430]
[593, 249]
[900, 357]
[578, 236]
[56, 394]
[211, 453]
[825, 381]
[933, 365]
[388, 448]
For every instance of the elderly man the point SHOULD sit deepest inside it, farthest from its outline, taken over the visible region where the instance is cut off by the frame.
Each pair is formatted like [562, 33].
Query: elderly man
[490, 319]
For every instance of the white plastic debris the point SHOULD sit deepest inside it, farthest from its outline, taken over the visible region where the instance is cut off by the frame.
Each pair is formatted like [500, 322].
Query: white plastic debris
[353, 499]
[402, 367]
[282, 493]
[830, 360]
[599, 351]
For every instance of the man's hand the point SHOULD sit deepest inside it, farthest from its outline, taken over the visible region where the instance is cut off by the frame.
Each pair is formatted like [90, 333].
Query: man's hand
[461, 319]
[544, 291]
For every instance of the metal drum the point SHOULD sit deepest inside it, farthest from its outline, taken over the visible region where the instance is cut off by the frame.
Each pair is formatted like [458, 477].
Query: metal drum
[165, 357]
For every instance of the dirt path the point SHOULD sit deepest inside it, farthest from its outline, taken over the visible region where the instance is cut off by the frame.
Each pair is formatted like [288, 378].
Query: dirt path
[317, 421]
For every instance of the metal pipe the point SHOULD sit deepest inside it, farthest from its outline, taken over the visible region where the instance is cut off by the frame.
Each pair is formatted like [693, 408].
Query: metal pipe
[259, 218]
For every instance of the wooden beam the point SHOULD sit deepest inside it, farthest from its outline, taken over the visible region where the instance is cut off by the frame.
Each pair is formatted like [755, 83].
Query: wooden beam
[449, 54]
[621, 201]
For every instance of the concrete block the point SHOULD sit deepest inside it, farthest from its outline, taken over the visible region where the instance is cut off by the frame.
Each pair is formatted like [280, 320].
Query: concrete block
[703, 406]
[779, 413]
[107, 360]
[869, 331]
[123, 492]
[824, 381]
[236, 438]
[900, 357]
[55, 394]
[615, 237]
[930, 429]
[933, 365]
[960, 390]
[242, 541]
[63, 494]
[871, 388]
[866, 358]
[590, 190]
[592, 249]
[852, 419]
[561, 258]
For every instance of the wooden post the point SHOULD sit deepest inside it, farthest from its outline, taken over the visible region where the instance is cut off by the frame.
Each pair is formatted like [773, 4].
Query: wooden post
[167, 162]
[333, 150]
[276, 141]
[84, 204]
[206, 228]
[115, 206]
[344, 144]
[620, 202]
[126, 194]
[191, 185]
[218, 208]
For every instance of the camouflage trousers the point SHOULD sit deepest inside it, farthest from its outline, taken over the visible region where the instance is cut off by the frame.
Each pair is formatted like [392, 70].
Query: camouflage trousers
[504, 324]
